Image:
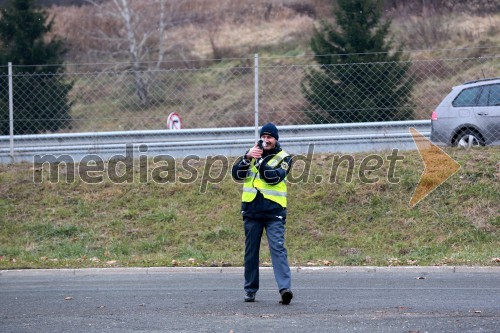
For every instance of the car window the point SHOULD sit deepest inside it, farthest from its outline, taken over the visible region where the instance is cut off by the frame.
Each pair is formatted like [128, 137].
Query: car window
[490, 95]
[494, 98]
[485, 96]
[467, 97]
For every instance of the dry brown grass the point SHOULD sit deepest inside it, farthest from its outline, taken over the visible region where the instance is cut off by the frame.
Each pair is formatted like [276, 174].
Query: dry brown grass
[196, 28]
[206, 29]
[448, 31]
[250, 36]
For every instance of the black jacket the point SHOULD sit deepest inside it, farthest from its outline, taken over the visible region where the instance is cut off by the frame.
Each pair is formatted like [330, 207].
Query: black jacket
[261, 208]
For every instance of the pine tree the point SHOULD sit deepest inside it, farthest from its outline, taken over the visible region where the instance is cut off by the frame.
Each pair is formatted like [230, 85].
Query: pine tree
[359, 79]
[39, 90]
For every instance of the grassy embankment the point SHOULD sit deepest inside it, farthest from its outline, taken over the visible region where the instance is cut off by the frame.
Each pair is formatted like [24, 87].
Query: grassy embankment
[342, 222]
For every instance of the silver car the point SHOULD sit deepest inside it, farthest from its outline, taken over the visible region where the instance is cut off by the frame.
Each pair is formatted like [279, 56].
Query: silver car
[469, 116]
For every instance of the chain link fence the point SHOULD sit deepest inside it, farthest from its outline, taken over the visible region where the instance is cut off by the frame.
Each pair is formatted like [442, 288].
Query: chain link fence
[228, 93]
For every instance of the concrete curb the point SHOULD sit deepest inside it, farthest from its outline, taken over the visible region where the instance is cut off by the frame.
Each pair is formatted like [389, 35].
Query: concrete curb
[239, 270]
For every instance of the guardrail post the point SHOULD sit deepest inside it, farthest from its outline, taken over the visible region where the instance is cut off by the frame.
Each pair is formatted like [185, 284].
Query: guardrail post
[11, 114]
[256, 95]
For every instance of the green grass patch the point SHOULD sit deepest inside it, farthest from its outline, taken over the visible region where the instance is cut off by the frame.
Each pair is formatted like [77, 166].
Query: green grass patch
[336, 221]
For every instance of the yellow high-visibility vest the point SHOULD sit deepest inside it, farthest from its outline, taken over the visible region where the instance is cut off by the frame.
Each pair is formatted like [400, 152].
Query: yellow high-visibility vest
[254, 183]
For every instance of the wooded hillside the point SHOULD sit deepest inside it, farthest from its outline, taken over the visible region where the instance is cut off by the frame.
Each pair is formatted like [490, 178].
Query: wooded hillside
[208, 29]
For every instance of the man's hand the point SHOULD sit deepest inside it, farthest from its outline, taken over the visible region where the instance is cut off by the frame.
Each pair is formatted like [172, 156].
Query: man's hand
[254, 152]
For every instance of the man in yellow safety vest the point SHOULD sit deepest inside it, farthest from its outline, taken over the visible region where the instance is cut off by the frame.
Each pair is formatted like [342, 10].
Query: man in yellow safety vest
[263, 170]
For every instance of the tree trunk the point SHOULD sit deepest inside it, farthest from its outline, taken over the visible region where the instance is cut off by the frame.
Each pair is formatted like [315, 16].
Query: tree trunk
[140, 85]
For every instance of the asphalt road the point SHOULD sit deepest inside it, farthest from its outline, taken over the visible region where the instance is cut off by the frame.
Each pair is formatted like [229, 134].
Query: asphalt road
[336, 299]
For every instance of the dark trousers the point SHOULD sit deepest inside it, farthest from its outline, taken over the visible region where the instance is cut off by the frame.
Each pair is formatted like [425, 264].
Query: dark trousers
[275, 231]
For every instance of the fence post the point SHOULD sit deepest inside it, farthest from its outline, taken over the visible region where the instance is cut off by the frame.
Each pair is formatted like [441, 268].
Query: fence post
[256, 94]
[11, 114]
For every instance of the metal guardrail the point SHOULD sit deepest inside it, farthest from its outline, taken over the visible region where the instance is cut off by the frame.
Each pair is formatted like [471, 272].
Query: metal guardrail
[230, 141]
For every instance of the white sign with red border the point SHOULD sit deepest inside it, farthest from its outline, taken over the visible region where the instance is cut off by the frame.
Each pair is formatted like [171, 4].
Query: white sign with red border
[174, 121]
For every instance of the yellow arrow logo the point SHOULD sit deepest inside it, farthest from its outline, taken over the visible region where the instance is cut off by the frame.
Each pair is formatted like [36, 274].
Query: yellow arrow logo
[438, 167]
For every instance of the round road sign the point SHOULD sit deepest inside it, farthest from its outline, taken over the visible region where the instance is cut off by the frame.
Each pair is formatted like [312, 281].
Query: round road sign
[174, 121]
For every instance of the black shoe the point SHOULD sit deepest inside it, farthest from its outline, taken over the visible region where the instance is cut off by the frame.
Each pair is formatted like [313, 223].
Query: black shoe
[286, 296]
[250, 297]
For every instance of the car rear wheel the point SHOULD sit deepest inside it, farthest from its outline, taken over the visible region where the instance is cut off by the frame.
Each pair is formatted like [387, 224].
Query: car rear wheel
[469, 139]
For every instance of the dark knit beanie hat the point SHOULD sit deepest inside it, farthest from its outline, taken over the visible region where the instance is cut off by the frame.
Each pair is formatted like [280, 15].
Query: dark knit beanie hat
[270, 129]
